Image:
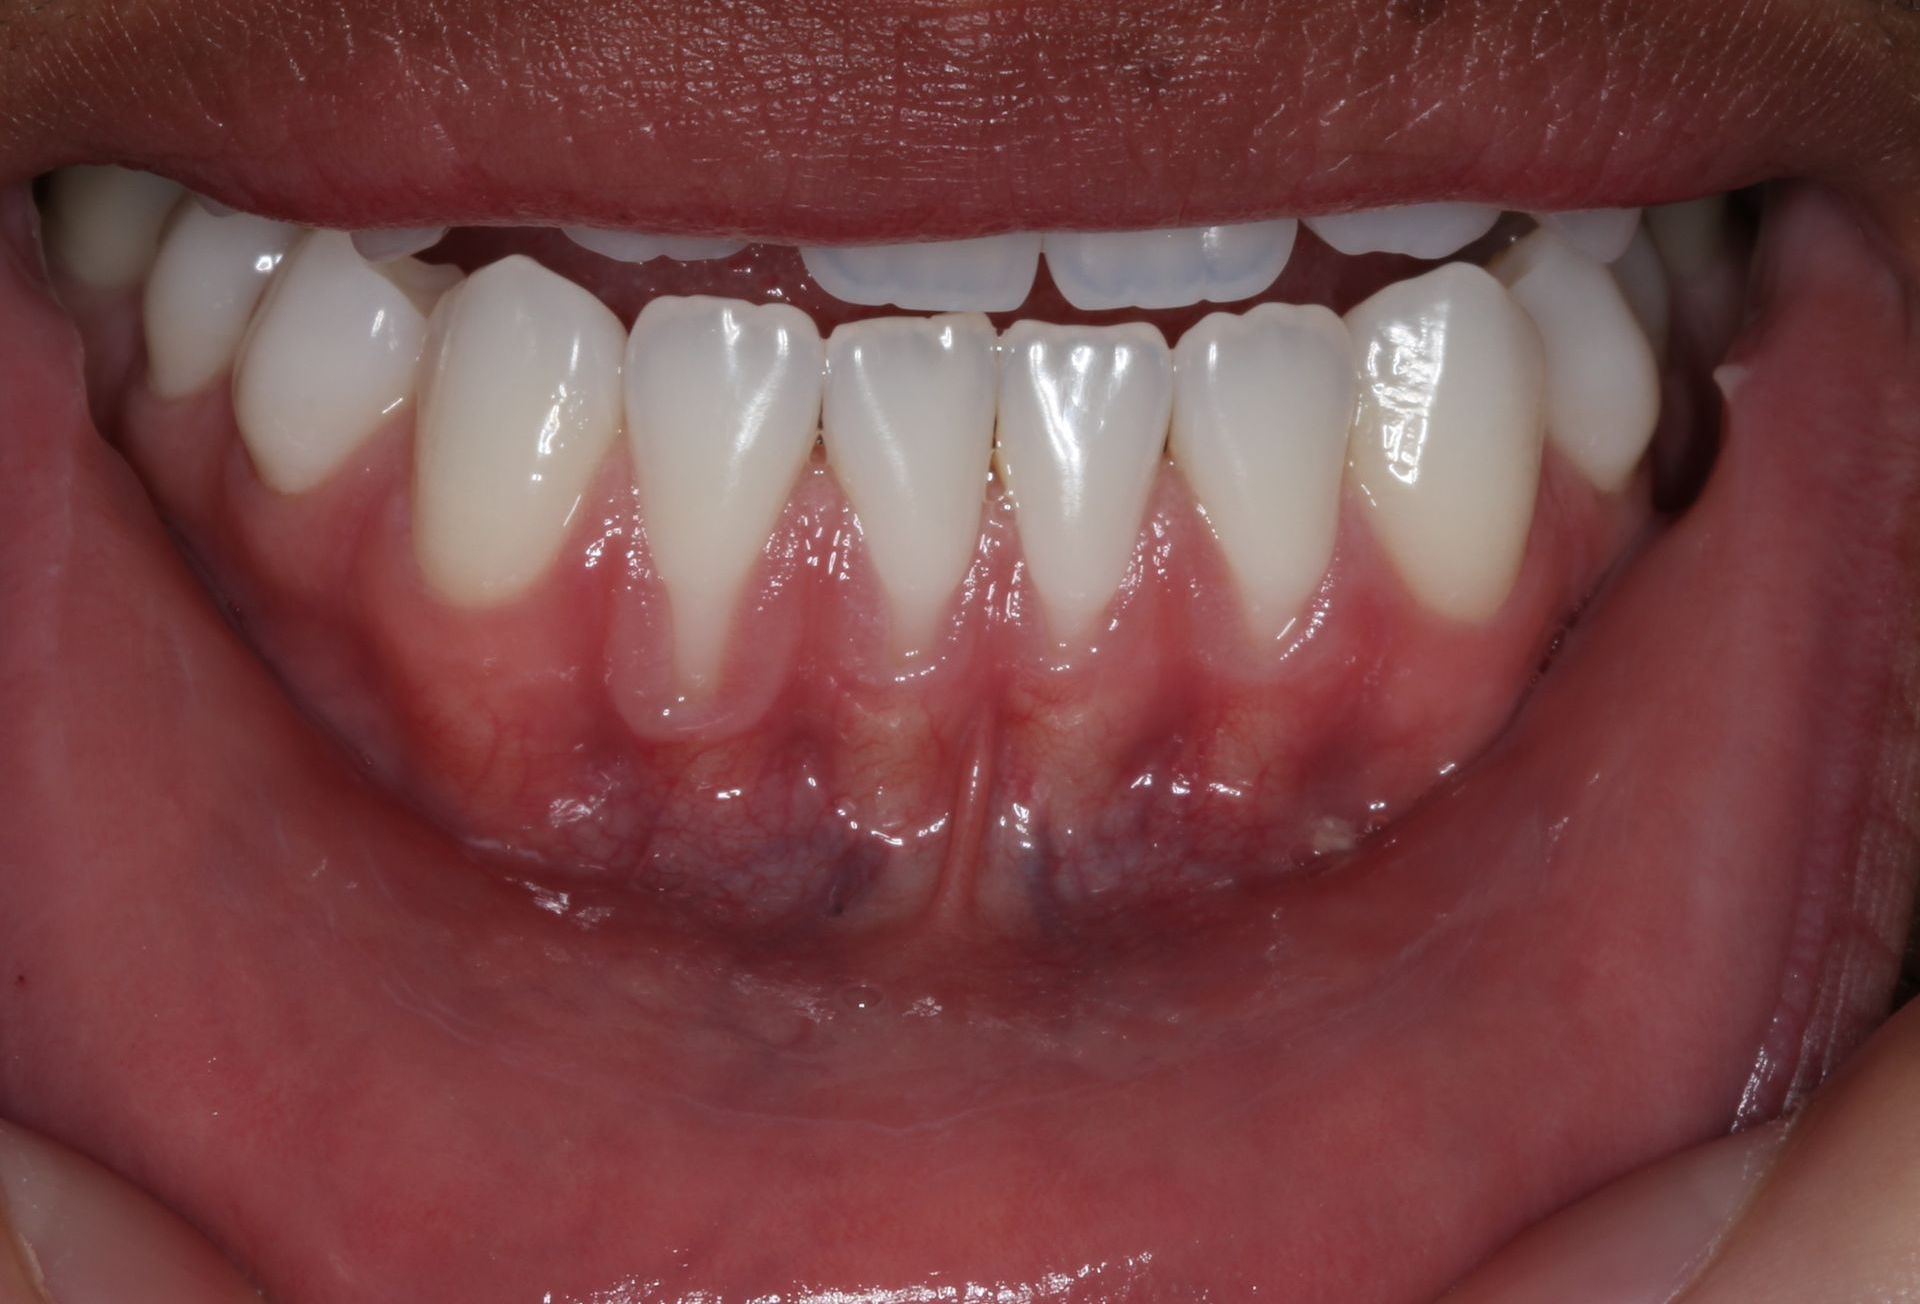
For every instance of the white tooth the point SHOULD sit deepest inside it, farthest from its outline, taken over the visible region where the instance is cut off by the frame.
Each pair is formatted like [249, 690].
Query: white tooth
[635, 247]
[1083, 422]
[214, 206]
[329, 358]
[908, 428]
[990, 274]
[386, 243]
[1168, 269]
[103, 223]
[1416, 230]
[1261, 407]
[208, 276]
[1690, 236]
[1602, 234]
[520, 401]
[1643, 279]
[723, 406]
[1447, 443]
[1603, 386]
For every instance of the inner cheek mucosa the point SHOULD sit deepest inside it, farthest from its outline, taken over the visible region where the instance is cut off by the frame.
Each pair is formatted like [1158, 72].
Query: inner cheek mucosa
[758, 702]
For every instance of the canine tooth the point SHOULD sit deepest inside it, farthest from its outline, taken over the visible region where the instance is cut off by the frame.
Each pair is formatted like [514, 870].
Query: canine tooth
[636, 247]
[1446, 446]
[329, 357]
[723, 404]
[1643, 279]
[386, 243]
[908, 428]
[103, 223]
[520, 401]
[1417, 230]
[205, 283]
[1602, 234]
[1168, 269]
[1602, 383]
[1691, 236]
[990, 274]
[1083, 422]
[1261, 407]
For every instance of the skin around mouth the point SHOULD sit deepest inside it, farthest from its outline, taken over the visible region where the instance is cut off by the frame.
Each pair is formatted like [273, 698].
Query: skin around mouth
[1661, 900]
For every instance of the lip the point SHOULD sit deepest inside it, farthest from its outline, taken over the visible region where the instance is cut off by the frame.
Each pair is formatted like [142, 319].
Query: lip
[220, 1117]
[851, 120]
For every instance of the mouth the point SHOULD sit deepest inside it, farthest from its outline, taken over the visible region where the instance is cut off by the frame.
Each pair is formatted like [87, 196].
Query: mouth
[1082, 653]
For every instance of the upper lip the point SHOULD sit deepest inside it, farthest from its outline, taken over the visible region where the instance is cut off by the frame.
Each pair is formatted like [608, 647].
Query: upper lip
[852, 120]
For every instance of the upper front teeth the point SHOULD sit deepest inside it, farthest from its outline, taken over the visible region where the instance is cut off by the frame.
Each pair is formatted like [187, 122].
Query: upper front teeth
[634, 247]
[1416, 230]
[989, 274]
[1168, 269]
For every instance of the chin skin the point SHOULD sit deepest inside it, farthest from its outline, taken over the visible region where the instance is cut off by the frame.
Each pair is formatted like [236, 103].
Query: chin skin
[283, 945]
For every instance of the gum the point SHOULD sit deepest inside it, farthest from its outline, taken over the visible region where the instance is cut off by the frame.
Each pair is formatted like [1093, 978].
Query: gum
[1000, 784]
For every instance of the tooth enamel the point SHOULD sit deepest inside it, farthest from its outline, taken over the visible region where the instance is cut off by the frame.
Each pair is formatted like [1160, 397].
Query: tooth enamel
[908, 428]
[103, 223]
[329, 357]
[206, 280]
[1602, 384]
[520, 401]
[1643, 279]
[989, 274]
[384, 244]
[1691, 236]
[1261, 407]
[1602, 234]
[723, 406]
[1168, 269]
[635, 247]
[1446, 447]
[1083, 422]
[1416, 230]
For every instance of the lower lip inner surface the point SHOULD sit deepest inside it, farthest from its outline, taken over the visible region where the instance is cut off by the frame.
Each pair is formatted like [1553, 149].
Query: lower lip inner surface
[250, 978]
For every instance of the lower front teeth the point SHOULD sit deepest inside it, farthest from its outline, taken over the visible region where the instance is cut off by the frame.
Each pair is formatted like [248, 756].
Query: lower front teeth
[1446, 448]
[1430, 400]
[520, 404]
[1262, 404]
[1083, 420]
[723, 405]
[329, 357]
[205, 283]
[908, 428]
[1603, 385]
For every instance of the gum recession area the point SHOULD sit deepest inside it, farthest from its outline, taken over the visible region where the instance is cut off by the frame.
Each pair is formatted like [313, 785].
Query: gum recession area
[368, 1070]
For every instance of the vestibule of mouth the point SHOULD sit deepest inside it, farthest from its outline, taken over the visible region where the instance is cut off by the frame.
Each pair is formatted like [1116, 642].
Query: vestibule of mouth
[776, 584]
